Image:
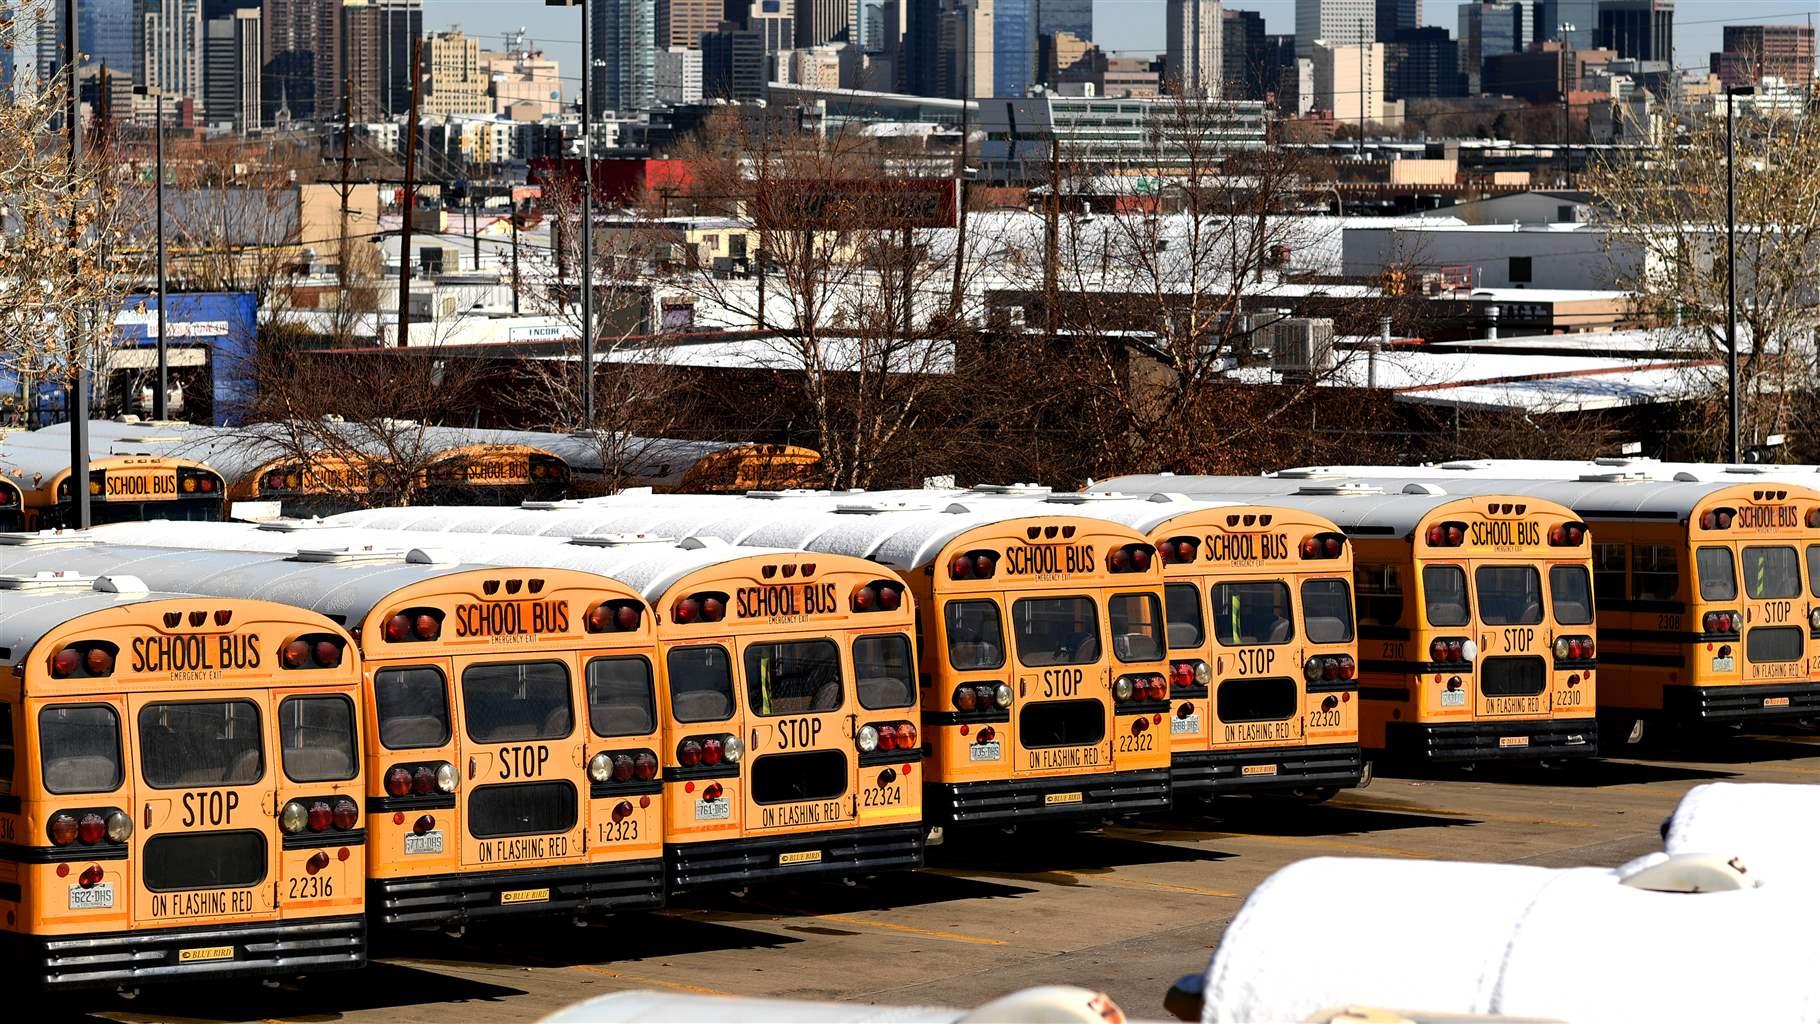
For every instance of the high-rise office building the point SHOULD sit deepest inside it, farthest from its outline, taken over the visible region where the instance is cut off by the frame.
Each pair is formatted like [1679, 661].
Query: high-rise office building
[1193, 62]
[1422, 63]
[819, 22]
[677, 75]
[1349, 81]
[231, 65]
[1014, 47]
[1243, 61]
[1336, 22]
[378, 38]
[171, 43]
[1638, 29]
[1755, 52]
[1574, 22]
[623, 48]
[1395, 16]
[455, 81]
[1072, 16]
[111, 32]
[966, 59]
[681, 22]
[302, 48]
[734, 60]
[1488, 28]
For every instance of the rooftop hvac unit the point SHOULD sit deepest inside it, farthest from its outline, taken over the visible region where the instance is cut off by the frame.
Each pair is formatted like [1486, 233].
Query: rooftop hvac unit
[1302, 345]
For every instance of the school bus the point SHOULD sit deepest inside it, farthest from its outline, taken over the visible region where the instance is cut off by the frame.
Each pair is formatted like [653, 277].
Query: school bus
[12, 499]
[121, 488]
[180, 785]
[1476, 634]
[1263, 654]
[511, 761]
[787, 701]
[1043, 659]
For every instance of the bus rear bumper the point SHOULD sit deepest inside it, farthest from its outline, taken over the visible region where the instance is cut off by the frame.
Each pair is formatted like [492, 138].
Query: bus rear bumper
[730, 863]
[1008, 801]
[153, 956]
[1523, 740]
[440, 900]
[1268, 769]
[1732, 703]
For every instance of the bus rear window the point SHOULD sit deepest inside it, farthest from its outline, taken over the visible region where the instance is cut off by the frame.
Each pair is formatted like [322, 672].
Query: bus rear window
[1570, 595]
[976, 640]
[1771, 573]
[1444, 595]
[1056, 631]
[200, 743]
[1509, 595]
[1654, 573]
[80, 746]
[1608, 571]
[413, 706]
[1380, 594]
[517, 701]
[701, 684]
[1252, 613]
[316, 739]
[793, 678]
[620, 698]
[1182, 612]
[1327, 611]
[1718, 574]
[886, 676]
[1137, 626]
[1813, 569]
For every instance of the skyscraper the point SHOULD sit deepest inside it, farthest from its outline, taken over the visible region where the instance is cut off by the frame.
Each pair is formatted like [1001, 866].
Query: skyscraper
[1638, 29]
[1755, 52]
[171, 44]
[1194, 63]
[110, 30]
[681, 22]
[231, 62]
[1395, 16]
[1013, 47]
[1245, 64]
[1488, 29]
[301, 43]
[624, 51]
[1422, 63]
[1574, 22]
[1337, 22]
[825, 21]
[377, 39]
[455, 81]
[1073, 16]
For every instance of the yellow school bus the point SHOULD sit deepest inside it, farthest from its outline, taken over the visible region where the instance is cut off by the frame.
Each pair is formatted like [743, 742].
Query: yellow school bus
[1476, 637]
[787, 698]
[121, 488]
[12, 500]
[511, 763]
[1045, 689]
[180, 785]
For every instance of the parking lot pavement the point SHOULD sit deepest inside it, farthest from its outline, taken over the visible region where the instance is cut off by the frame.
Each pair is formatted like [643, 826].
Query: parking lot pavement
[1126, 909]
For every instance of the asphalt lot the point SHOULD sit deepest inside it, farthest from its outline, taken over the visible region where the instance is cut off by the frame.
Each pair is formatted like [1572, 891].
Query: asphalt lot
[1126, 909]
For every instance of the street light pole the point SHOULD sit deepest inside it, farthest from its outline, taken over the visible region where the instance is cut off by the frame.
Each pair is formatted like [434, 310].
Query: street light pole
[159, 409]
[1731, 278]
[77, 403]
[587, 224]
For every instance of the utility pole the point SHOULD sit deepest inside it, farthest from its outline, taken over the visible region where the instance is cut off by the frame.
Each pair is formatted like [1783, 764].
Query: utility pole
[77, 403]
[514, 257]
[1731, 277]
[410, 197]
[1362, 96]
[960, 177]
[347, 186]
[587, 223]
[1052, 224]
[160, 398]
[474, 228]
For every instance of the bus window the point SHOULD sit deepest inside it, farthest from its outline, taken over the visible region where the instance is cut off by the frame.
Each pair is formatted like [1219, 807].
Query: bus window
[1327, 611]
[1654, 574]
[1718, 575]
[1056, 631]
[316, 739]
[1570, 595]
[413, 707]
[701, 684]
[1509, 595]
[1182, 611]
[80, 746]
[1608, 572]
[7, 759]
[1380, 594]
[508, 703]
[1252, 613]
[200, 743]
[1444, 589]
[882, 665]
[1771, 573]
[1813, 569]
[1136, 621]
[793, 678]
[976, 640]
[620, 698]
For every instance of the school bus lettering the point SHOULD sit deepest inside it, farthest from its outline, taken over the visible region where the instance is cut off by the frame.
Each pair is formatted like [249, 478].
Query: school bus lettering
[500, 470]
[312, 887]
[1506, 533]
[1256, 660]
[1777, 611]
[1048, 560]
[796, 733]
[1068, 757]
[525, 762]
[1135, 744]
[1513, 705]
[511, 618]
[524, 848]
[1519, 639]
[1767, 517]
[1246, 547]
[618, 831]
[1324, 719]
[800, 814]
[140, 485]
[212, 807]
[1061, 682]
[203, 954]
[203, 903]
[1252, 732]
[176, 654]
[786, 602]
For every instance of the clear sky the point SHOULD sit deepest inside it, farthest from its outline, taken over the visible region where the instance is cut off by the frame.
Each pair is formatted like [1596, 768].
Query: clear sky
[1134, 26]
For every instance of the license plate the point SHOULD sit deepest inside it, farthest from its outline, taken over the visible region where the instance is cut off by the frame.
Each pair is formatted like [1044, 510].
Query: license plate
[1513, 741]
[1453, 698]
[1724, 664]
[1258, 769]
[983, 752]
[801, 857]
[429, 842]
[203, 954]
[1191, 724]
[1775, 702]
[514, 896]
[1061, 798]
[99, 896]
[713, 810]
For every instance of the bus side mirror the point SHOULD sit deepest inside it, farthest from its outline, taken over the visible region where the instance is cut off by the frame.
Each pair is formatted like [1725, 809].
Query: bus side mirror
[1184, 998]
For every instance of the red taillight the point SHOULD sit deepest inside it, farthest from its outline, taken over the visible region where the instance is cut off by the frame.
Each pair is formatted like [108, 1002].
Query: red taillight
[423, 783]
[688, 753]
[1184, 551]
[1139, 724]
[710, 751]
[99, 661]
[985, 564]
[91, 876]
[1813, 518]
[398, 782]
[1181, 674]
[1348, 667]
[965, 699]
[427, 627]
[906, 736]
[1310, 547]
[65, 663]
[1437, 651]
[887, 737]
[1455, 650]
[1436, 535]
[1140, 558]
[1332, 546]
[713, 792]
[687, 610]
[961, 568]
[1586, 648]
[599, 618]
[321, 817]
[1119, 560]
[889, 598]
[713, 609]
[1330, 669]
[644, 766]
[91, 829]
[863, 599]
[1455, 535]
[622, 810]
[622, 768]
[208, 485]
[423, 824]
[347, 813]
[328, 653]
[627, 616]
[397, 629]
[63, 829]
[296, 654]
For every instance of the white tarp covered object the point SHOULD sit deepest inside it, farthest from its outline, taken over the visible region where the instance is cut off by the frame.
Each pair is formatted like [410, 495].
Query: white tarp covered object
[1774, 829]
